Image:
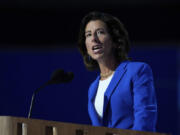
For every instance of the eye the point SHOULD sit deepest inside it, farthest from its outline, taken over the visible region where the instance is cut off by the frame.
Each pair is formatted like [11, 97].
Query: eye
[88, 35]
[100, 32]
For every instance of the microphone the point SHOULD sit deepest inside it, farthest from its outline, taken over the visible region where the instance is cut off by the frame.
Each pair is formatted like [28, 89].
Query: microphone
[57, 77]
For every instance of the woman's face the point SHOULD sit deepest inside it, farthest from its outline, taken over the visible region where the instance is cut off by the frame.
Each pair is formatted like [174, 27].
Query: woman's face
[98, 41]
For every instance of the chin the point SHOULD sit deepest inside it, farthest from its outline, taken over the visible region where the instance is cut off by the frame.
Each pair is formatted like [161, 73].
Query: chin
[98, 58]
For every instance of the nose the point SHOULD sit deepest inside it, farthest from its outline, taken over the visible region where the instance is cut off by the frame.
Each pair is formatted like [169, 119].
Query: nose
[95, 38]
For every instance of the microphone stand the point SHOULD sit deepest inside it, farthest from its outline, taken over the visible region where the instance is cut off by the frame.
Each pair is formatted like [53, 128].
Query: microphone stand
[34, 94]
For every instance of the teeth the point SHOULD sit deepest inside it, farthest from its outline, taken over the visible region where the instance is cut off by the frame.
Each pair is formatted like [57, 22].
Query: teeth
[97, 47]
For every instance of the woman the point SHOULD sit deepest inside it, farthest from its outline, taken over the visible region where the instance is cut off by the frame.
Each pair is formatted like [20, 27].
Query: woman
[123, 95]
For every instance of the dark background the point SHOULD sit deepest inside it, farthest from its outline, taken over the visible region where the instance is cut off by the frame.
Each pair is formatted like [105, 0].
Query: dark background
[48, 22]
[37, 37]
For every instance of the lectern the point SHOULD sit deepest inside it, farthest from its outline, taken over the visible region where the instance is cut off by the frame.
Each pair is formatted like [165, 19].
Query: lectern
[22, 126]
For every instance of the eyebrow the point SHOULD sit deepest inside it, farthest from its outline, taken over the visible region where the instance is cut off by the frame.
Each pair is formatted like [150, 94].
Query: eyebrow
[87, 31]
[96, 30]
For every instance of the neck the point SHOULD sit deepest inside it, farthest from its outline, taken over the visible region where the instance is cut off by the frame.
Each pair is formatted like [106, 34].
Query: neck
[107, 67]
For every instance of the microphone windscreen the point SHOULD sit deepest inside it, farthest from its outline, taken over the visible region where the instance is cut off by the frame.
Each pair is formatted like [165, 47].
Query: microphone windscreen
[59, 76]
[69, 76]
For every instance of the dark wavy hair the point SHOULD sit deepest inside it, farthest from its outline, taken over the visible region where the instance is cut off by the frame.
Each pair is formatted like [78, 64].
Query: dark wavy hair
[117, 31]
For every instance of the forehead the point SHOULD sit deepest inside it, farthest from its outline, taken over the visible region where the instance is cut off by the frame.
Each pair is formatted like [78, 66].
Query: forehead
[95, 24]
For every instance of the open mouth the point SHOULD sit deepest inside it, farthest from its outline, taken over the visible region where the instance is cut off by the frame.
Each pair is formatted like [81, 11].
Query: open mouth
[97, 48]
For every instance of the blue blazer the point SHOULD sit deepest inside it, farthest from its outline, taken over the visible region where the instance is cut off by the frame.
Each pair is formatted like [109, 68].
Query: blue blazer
[129, 100]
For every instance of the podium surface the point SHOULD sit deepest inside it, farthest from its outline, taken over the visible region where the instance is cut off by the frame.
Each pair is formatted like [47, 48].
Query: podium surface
[23, 126]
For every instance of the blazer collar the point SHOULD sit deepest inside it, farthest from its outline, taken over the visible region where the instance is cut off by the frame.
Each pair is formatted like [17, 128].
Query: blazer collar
[119, 72]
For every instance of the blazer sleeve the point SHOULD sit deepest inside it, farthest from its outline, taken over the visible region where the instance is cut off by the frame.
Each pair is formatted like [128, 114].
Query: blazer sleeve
[145, 106]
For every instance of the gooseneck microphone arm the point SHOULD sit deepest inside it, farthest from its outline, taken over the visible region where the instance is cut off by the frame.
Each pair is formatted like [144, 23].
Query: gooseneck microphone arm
[57, 77]
[33, 97]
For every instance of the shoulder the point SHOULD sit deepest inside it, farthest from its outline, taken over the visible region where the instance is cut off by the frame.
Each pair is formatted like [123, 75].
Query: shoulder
[94, 82]
[139, 70]
[135, 68]
[93, 86]
[137, 65]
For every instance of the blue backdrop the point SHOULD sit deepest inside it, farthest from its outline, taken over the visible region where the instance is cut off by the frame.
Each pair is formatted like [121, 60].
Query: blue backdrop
[24, 70]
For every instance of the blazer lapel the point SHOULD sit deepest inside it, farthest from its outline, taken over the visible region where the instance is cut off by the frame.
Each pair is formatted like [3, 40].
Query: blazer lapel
[113, 84]
[92, 111]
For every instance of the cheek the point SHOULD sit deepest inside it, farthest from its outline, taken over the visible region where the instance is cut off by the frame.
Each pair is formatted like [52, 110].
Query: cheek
[87, 45]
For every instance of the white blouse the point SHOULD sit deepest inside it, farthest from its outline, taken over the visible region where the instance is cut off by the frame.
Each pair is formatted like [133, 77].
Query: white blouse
[99, 99]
